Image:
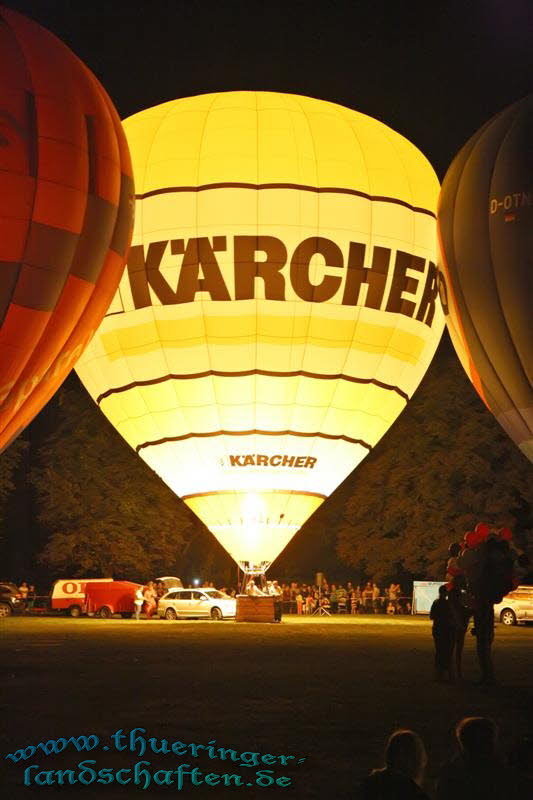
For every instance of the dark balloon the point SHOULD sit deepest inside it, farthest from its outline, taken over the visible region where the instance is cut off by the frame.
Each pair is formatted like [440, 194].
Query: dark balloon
[486, 235]
[66, 214]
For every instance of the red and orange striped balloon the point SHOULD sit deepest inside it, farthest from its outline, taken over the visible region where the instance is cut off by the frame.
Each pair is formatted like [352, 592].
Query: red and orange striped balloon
[66, 214]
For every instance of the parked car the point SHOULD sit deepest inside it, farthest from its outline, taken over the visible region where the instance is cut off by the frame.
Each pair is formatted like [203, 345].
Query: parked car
[517, 606]
[207, 603]
[170, 582]
[10, 599]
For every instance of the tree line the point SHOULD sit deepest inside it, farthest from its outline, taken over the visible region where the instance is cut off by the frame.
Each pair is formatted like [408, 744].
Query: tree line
[98, 509]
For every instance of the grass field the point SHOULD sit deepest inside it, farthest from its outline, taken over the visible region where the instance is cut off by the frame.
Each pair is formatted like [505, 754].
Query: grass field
[328, 691]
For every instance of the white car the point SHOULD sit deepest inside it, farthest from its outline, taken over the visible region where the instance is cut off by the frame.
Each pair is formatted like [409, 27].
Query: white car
[207, 603]
[517, 606]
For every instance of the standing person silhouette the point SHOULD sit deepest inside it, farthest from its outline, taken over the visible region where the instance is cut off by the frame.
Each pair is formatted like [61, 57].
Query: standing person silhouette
[488, 571]
[443, 635]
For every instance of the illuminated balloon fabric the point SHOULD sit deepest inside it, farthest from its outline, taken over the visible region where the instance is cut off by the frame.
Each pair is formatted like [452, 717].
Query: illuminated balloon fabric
[278, 309]
[66, 214]
[486, 232]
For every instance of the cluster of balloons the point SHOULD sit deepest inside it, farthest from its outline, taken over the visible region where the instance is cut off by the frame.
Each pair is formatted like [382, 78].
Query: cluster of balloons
[481, 533]
[279, 307]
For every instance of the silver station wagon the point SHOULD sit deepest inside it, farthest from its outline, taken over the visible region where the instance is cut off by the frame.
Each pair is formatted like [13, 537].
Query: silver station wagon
[517, 606]
[206, 603]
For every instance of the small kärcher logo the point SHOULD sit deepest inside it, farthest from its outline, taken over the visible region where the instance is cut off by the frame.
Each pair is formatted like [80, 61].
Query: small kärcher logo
[277, 460]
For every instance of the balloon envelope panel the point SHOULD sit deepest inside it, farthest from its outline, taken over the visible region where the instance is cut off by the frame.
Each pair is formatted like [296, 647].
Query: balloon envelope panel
[279, 307]
[66, 214]
[486, 233]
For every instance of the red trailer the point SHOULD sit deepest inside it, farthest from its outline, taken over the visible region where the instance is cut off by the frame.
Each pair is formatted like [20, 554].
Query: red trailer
[68, 595]
[105, 599]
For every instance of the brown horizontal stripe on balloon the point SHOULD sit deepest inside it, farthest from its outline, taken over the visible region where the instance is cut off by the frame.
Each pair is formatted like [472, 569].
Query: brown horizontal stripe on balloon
[245, 373]
[297, 186]
[314, 435]
[94, 239]
[45, 266]
[20, 333]
[52, 254]
[124, 220]
[9, 272]
[51, 345]
[259, 492]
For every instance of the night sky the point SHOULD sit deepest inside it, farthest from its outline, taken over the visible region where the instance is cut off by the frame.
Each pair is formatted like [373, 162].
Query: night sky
[434, 71]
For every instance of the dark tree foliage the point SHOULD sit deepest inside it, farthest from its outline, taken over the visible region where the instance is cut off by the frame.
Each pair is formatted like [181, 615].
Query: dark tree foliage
[445, 465]
[9, 461]
[106, 512]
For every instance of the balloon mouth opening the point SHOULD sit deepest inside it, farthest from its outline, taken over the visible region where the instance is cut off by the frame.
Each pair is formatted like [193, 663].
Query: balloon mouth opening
[254, 568]
[257, 535]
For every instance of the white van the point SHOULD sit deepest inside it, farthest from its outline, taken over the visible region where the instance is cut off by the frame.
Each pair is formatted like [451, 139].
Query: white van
[68, 594]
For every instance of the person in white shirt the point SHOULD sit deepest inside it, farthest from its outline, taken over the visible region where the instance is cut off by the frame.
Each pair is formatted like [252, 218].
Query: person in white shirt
[138, 601]
[253, 589]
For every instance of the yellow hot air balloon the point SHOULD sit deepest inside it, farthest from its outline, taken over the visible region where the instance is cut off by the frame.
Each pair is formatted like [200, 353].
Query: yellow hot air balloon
[279, 306]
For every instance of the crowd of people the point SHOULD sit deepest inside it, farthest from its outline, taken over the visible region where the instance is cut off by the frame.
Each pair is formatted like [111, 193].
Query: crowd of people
[478, 770]
[337, 598]
[300, 598]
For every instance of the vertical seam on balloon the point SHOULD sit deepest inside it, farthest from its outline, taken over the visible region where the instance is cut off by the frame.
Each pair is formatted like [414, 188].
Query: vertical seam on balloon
[462, 307]
[357, 309]
[117, 129]
[357, 316]
[393, 254]
[30, 216]
[214, 99]
[125, 360]
[294, 304]
[310, 310]
[466, 309]
[94, 85]
[426, 356]
[58, 350]
[33, 157]
[290, 110]
[255, 377]
[157, 127]
[149, 413]
[514, 405]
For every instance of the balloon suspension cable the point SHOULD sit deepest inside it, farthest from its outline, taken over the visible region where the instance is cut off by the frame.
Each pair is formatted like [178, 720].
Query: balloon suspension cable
[254, 573]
